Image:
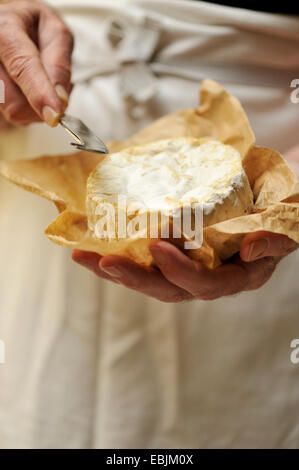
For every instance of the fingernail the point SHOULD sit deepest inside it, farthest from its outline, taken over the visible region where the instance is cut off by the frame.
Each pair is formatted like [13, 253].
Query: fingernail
[158, 255]
[257, 248]
[50, 116]
[62, 93]
[112, 271]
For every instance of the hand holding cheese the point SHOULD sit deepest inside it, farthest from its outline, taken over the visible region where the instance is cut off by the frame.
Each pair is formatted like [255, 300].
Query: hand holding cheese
[166, 175]
[190, 157]
[179, 278]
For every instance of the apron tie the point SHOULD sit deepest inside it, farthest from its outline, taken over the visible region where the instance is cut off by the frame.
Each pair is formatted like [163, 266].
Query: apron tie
[134, 47]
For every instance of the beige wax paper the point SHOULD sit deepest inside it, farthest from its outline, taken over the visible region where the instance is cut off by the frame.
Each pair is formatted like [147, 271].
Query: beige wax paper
[220, 116]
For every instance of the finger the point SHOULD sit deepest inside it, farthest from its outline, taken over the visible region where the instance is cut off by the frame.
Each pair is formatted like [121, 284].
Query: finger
[146, 280]
[210, 284]
[4, 124]
[22, 61]
[56, 46]
[15, 109]
[261, 244]
[194, 277]
[259, 271]
[90, 260]
[292, 154]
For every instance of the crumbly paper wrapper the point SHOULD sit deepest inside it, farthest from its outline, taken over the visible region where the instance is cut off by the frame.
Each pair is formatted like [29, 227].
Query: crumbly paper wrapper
[220, 116]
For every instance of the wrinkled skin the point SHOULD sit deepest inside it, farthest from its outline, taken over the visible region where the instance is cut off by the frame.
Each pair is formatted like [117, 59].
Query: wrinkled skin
[35, 57]
[178, 278]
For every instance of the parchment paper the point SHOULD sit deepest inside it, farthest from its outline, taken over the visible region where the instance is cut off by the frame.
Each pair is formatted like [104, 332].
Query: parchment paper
[62, 179]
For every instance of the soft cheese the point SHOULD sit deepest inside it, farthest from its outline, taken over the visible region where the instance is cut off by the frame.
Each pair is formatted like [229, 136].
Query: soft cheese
[168, 174]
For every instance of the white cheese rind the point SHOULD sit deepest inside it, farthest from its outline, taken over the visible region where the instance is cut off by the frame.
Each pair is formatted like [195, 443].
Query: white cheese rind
[168, 174]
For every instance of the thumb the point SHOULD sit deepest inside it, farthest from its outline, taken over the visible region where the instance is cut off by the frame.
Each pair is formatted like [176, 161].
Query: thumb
[261, 244]
[56, 45]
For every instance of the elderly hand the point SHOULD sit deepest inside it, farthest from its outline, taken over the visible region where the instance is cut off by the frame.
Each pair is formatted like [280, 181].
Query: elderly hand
[35, 62]
[178, 278]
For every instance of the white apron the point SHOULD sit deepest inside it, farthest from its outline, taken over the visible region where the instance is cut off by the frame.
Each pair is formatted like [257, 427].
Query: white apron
[90, 364]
